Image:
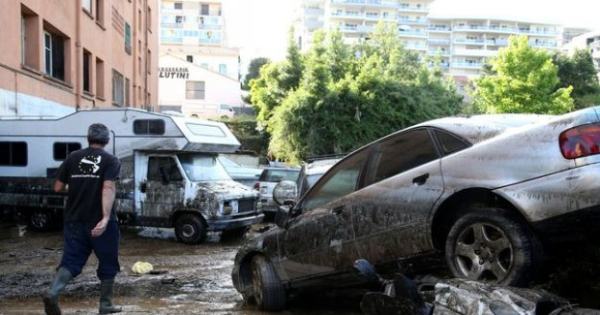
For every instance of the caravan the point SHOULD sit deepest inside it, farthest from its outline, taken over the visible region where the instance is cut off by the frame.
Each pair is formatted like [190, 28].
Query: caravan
[170, 174]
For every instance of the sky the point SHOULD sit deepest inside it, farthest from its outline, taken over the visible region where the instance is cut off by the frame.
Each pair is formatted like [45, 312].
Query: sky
[260, 27]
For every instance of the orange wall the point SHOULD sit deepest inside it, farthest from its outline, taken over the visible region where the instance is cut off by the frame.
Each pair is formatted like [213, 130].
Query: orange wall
[103, 40]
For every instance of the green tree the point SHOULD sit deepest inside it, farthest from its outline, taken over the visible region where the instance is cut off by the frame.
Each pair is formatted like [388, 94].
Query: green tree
[254, 71]
[524, 80]
[578, 71]
[292, 68]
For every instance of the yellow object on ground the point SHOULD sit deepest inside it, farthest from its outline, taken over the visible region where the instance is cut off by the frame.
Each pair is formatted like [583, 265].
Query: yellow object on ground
[142, 267]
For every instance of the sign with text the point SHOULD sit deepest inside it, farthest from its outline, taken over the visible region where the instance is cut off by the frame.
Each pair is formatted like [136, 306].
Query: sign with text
[173, 73]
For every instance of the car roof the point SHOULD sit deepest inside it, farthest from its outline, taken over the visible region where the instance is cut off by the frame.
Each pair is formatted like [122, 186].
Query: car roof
[478, 128]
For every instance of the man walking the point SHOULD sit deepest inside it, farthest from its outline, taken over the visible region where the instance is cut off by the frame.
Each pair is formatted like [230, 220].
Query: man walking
[89, 219]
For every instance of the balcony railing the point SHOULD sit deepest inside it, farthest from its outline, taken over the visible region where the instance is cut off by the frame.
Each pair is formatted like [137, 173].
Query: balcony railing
[171, 25]
[538, 32]
[468, 65]
[497, 42]
[409, 8]
[543, 45]
[412, 33]
[416, 47]
[438, 41]
[439, 29]
[469, 41]
[377, 3]
[438, 52]
[412, 21]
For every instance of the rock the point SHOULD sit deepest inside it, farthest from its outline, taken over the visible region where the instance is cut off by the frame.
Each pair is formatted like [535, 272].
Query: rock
[142, 267]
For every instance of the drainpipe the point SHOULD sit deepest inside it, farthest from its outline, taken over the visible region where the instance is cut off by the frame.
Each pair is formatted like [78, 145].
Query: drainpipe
[147, 63]
[77, 54]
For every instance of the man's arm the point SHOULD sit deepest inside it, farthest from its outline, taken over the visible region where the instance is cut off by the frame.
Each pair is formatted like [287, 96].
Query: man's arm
[58, 186]
[109, 191]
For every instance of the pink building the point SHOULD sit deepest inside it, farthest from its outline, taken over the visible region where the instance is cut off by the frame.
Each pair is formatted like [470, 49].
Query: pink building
[60, 55]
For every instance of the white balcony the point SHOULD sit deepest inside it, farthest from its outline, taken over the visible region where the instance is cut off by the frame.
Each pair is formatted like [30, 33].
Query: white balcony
[416, 47]
[438, 52]
[547, 45]
[438, 41]
[434, 29]
[466, 65]
[368, 3]
[412, 34]
[465, 41]
[475, 52]
[484, 28]
[538, 32]
[348, 15]
[497, 42]
[409, 8]
[412, 21]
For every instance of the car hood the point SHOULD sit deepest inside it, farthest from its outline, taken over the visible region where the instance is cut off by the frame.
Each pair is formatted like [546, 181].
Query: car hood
[227, 189]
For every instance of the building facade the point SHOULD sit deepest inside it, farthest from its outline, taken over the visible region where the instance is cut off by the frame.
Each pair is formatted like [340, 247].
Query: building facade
[461, 44]
[194, 30]
[59, 56]
[590, 41]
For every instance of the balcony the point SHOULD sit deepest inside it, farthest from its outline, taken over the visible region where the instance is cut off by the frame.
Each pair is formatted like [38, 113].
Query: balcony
[438, 41]
[467, 65]
[209, 40]
[313, 11]
[409, 8]
[377, 17]
[171, 25]
[412, 21]
[543, 45]
[484, 28]
[412, 34]
[439, 29]
[348, 15]
[438, 52]
[538, 32]
[465, 41]
[416, 47]
[371, 3]
[475, 52]
[497, 42]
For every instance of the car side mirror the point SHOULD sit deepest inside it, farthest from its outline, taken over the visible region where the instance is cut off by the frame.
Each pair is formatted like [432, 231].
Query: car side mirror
[285, 193]
[282, 216]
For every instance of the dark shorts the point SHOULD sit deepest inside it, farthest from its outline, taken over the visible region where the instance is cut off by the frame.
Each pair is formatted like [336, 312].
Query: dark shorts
[79, 244]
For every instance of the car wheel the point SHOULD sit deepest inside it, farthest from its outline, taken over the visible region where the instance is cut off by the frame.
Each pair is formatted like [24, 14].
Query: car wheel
[268, 292]
[41, 220]
[190, 229]
[491, 245]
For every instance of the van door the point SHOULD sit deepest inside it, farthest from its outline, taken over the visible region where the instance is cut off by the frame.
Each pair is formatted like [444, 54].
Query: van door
[161, 189]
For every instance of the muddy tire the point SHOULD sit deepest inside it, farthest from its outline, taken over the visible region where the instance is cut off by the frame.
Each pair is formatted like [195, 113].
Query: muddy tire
[492, 245]
[268, 292]
[42, 220]
[234, 234]
[190, 229]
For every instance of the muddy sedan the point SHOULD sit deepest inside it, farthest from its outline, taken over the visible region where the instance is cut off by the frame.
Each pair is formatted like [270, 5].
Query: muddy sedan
[489, 192]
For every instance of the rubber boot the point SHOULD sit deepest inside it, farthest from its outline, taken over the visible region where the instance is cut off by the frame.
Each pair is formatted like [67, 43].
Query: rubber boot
[63, 276]
[106, 294]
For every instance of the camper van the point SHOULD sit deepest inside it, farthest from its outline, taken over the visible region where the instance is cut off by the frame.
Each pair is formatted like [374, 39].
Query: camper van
[170, 172]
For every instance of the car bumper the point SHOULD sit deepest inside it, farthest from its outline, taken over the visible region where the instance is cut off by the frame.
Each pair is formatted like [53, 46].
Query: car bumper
[229, 223]
[580, 226]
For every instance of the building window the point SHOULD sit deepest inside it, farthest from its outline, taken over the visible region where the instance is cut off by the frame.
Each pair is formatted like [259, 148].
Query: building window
[179, 19]
[87, 74]
[99, 78]
[223, 69]
[204, 9]
[178, 5]
[194, 90]
[54, 55]
[189, 58]
[117, 88]
[149, 60]
[127, 95]
[13, 154]
[127, 38]
[100, 12]
[149, 127]
[30, 44]
[62, 149]
[87, 5]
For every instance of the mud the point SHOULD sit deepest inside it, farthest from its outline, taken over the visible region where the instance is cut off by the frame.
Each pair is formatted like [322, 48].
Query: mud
[198, 278]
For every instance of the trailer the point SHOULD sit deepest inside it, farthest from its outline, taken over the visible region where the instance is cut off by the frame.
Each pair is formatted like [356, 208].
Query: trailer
[170, 172]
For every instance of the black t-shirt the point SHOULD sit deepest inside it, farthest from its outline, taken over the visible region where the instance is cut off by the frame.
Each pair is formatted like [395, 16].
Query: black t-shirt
[85, 171]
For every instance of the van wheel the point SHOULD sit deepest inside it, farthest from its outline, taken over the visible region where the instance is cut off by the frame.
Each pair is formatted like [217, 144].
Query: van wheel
[268, 292]
[41, 220]
[190, 229]
[491, 245]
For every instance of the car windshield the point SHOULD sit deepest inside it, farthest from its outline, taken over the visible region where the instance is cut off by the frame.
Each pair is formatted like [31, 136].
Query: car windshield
[274, 175]
[200, 167]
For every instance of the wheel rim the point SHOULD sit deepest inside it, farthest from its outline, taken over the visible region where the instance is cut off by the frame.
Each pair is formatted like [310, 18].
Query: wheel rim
[483, 252]
[188, 230]
[39, 219]
[256, 285]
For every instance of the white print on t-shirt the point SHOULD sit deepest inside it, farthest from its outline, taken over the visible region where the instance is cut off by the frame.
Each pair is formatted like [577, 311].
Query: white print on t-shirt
[89, 164]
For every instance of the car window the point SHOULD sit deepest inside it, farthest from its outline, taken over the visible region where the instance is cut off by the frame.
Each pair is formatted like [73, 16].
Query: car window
[159, 165]
[450, 143]
[342, 180]
[273, 175]
[403, 152]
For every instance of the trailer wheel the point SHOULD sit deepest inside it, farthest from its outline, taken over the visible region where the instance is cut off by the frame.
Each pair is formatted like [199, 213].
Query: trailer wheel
[41, 220]
[190, 229]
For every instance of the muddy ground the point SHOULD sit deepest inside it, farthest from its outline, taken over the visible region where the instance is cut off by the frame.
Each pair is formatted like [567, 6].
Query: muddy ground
[198, 279]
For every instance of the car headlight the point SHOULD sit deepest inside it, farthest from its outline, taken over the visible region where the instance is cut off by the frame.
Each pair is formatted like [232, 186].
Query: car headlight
[227, 208]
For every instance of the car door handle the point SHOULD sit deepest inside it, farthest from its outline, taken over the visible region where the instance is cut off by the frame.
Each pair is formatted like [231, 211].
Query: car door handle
[420, 180]
[338, 210]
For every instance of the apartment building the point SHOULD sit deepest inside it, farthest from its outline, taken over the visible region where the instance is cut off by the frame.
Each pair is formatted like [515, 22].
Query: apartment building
[194, 30]
[461, 44]
[59, 56]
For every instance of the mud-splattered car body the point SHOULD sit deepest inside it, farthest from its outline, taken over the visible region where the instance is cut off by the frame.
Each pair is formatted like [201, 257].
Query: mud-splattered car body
[512, 162]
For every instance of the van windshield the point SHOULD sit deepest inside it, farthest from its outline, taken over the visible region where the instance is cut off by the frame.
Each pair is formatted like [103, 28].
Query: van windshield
[201, 167]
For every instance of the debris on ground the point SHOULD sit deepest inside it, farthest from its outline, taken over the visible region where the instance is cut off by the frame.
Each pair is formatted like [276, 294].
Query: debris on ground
[142, 267]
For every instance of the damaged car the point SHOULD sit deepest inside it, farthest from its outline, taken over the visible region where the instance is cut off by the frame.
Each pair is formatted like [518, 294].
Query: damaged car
[488, 193]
